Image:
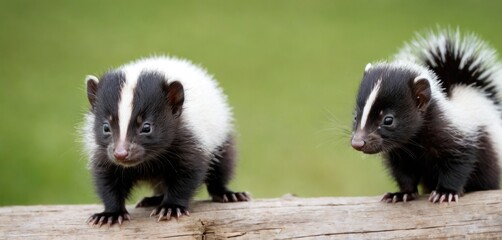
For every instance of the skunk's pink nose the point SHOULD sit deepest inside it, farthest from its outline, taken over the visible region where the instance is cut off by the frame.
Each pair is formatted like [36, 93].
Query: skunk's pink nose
[358, 144]
[358, 140]
[120, 152]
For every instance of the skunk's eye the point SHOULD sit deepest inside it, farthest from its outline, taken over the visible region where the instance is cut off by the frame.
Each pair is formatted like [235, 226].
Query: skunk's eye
[147, 128]
[106, 128]
[388, 120]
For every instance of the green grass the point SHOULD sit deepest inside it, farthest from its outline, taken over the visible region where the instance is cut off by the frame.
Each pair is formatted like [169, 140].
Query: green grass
[290, 68]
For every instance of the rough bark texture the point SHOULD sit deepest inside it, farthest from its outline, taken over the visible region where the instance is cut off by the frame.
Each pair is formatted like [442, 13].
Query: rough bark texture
[477, 215]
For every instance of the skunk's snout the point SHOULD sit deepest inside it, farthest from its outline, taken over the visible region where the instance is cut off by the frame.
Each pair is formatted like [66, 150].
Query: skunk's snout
[121, 151]
[357, 144]
[358, 140]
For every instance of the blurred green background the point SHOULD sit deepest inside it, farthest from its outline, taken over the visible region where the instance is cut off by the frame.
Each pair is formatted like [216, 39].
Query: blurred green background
[290, 68]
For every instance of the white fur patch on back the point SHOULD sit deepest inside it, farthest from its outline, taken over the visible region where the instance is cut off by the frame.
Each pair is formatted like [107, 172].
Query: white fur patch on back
[470, 109]
[369, 103]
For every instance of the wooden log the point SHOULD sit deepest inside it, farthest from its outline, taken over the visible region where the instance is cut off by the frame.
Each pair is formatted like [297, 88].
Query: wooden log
[477, 215]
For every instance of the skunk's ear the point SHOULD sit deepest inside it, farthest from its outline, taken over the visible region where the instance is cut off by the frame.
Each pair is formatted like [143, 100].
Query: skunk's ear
[92, 88]
[422, 92]
[175, 97]
[367, 68]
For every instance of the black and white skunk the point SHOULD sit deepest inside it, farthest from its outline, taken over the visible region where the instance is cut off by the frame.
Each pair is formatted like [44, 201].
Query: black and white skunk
[164, 121]
[435, 114]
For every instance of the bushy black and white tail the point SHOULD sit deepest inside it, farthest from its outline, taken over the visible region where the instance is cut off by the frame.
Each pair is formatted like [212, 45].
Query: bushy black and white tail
[457, 59]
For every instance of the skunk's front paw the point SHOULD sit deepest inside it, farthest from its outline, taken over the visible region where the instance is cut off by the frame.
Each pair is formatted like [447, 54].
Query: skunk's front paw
[109, 218]
[399, 197]
[166, 211]
[230, 196]
[439, 196]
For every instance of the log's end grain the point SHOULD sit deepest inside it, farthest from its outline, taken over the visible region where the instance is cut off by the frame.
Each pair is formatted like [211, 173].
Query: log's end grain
[477, 215]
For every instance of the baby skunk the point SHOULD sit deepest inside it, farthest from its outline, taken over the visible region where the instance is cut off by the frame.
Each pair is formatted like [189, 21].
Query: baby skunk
[164, 121]
[435, 114]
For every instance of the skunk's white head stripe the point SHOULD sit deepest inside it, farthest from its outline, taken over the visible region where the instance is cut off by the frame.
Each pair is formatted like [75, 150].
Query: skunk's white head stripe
[369, 103]
[125, 105]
